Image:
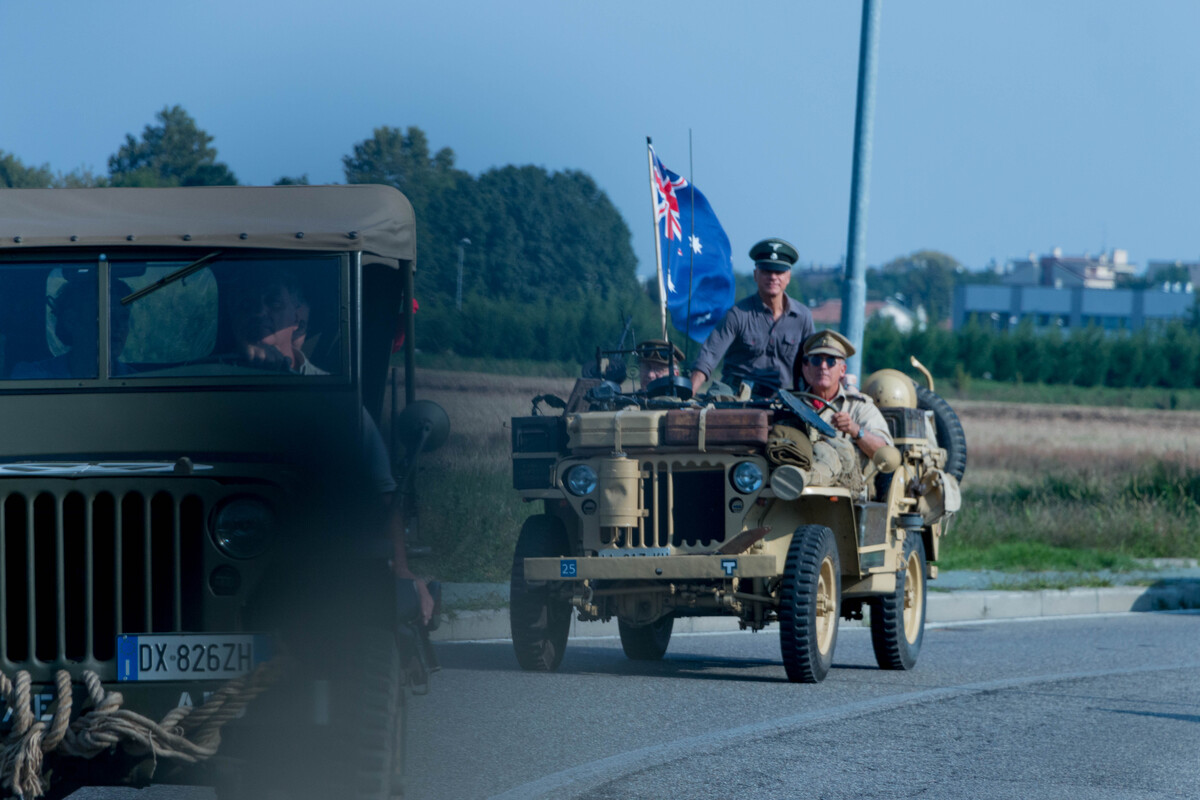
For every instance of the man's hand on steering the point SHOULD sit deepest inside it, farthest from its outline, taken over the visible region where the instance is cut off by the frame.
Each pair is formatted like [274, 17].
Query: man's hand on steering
[842, 421]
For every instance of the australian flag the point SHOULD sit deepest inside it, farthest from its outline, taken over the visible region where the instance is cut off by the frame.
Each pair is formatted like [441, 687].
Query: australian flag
[695, 253]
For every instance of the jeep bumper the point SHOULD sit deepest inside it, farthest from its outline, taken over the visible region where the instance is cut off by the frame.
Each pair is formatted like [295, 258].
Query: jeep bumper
[759, 565]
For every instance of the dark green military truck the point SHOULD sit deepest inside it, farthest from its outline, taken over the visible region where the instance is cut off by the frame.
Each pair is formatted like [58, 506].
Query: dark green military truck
[190, 472]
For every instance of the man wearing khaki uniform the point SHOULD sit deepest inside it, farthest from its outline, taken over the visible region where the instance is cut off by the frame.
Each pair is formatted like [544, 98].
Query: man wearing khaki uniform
[852, 413]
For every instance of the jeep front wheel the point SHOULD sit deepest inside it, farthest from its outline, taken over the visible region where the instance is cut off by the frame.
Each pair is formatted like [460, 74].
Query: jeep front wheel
[808, 608]
[898, 619]
[646, 642]
[540, 618]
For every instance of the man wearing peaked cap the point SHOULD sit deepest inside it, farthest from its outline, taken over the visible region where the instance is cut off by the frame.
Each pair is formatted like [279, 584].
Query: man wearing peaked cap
[654, 359]
[774, 255]
[761, 335]
[820, 370]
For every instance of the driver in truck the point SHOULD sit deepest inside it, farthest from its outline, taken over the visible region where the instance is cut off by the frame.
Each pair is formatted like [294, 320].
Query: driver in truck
[654, 360]
[822, 367]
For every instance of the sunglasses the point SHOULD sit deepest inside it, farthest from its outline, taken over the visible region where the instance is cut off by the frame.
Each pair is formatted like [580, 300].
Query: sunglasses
[816, 361]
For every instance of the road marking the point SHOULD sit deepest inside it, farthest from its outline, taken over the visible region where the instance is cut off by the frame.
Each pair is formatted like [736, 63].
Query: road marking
[587, 777]
[846, 627]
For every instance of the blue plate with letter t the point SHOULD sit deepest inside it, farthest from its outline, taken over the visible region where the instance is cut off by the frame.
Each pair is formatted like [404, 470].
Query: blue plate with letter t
[190, 656]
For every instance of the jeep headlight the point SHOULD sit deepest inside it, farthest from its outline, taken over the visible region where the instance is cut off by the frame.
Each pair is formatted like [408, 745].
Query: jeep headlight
[243, 527]
[747, 477]
[580, 480]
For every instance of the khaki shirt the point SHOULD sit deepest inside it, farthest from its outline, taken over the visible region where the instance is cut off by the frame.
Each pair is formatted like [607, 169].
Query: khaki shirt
[862, 410]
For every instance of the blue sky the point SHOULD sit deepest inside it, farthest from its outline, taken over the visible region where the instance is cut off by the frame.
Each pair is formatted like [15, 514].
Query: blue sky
[1000, 128]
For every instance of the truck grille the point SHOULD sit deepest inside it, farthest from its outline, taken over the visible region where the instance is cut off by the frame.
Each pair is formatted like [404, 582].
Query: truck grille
[683, 507]
[81, 564]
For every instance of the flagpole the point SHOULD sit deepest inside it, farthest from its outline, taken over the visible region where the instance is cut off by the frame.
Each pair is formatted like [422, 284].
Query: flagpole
[662, 288]
[691, 242]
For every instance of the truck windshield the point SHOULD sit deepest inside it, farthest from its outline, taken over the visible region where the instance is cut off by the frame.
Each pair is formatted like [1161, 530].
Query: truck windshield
[233, 317]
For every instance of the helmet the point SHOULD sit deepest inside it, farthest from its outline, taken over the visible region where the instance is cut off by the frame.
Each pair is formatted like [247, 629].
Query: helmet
[891, 388]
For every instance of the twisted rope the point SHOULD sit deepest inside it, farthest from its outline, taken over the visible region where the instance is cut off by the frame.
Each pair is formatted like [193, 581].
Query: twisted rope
[187, 733]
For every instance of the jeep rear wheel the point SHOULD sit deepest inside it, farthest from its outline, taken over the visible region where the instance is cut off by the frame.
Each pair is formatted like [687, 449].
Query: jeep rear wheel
[898, 620]
[540, 618]
[646, 642]
[808, 609]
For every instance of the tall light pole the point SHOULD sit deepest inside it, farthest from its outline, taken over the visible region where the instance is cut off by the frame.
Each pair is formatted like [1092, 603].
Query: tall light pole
[462, 243]
[854, 295]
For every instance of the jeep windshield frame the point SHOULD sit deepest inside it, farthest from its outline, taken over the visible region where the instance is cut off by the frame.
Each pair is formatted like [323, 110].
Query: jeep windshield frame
[36, 281]
[374, 225]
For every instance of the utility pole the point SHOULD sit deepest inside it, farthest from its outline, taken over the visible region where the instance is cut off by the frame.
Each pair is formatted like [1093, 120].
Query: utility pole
[462, 243]
[854, 293]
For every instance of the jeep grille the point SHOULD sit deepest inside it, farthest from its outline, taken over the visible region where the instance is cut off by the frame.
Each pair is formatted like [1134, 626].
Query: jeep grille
[80, 564]
[683, 507]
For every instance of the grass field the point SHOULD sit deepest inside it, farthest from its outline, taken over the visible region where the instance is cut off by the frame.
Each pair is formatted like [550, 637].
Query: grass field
[1048, 487]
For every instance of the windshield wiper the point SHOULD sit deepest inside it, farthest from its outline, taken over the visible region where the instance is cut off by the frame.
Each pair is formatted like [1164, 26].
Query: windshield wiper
[178, 274]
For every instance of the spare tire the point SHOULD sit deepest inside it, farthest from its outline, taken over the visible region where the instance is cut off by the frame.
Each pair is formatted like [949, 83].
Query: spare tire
[949, 430]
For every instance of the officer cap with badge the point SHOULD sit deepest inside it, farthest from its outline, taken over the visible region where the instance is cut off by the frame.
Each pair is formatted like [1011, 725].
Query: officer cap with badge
[774, 255]
[828, 342]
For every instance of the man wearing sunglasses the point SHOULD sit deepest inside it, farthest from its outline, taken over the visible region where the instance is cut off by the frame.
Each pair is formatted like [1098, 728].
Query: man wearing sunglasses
[822, 367]
[761, 335]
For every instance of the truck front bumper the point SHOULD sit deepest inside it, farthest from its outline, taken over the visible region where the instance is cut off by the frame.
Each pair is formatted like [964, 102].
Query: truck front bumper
[651, 568]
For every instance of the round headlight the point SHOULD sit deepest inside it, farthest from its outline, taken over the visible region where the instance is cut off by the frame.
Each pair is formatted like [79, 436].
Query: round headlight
[747, 477]
[581, 480]
[244, 527]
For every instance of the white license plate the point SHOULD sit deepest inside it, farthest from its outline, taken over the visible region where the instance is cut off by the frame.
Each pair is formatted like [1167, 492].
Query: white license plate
[189, 656]
[636, 551]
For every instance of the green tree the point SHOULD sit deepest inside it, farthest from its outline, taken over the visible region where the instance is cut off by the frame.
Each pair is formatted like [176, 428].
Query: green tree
[1004, 358]
[176, 152]
[286, 180]
[1181, 351]
[924, 278]
[1123, 361]
[1029, 347]
[1092, 351]
[883, 346]
[79, 178]
[401, 158]
[975, 348]
[15, 175]
[1053, 348]
[1152, 364]
[442, 197]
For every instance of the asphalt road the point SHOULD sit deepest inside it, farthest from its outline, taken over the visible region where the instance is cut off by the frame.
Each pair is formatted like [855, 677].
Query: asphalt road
[1092, 707]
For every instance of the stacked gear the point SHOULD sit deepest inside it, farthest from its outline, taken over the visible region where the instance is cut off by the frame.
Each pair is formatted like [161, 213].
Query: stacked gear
[803, 462]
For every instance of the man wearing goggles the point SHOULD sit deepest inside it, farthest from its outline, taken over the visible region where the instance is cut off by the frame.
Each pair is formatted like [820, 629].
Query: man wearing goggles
[822, 366]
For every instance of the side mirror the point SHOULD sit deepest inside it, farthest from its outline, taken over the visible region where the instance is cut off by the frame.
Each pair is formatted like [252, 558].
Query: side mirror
[423, 426]
[886, 459]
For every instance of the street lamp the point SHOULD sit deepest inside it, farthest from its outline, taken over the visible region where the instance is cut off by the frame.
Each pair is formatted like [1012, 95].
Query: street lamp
[462, 243]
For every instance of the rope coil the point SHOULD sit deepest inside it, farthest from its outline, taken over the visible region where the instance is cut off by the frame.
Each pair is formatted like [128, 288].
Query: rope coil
[188, 733]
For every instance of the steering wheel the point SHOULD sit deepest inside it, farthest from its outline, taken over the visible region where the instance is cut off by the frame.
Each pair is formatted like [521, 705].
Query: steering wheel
[805, 411]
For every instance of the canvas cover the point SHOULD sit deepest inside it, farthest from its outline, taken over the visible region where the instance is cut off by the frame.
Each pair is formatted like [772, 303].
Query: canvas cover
[376, 220]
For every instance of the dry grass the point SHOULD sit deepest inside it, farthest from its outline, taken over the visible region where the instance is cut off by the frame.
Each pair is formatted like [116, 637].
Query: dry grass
[1019, 442]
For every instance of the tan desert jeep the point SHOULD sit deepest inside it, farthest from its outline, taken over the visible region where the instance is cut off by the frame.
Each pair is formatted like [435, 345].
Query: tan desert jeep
[658, 505]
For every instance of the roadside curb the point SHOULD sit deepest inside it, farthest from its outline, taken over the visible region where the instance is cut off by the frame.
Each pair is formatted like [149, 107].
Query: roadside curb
[957, 606]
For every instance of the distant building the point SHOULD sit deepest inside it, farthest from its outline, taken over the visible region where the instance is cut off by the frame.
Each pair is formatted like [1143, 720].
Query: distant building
[829, 314]
[1068, 308]
[1065, 272]
[1191, 267]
